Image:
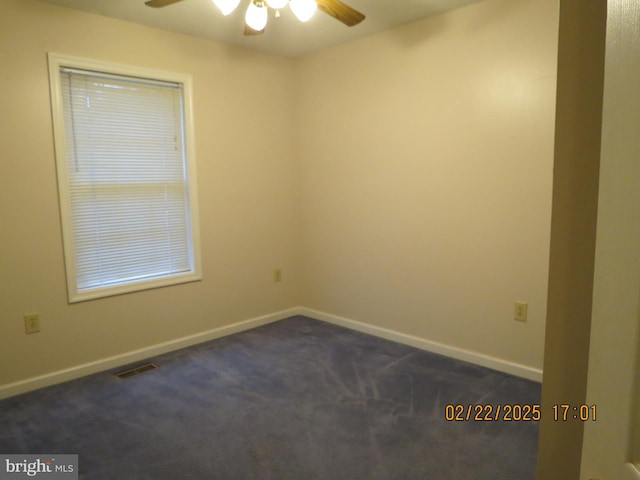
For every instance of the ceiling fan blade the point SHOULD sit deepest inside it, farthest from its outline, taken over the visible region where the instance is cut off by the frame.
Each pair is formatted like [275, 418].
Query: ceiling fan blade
[160, 3]
[340, 11]
[248, 31]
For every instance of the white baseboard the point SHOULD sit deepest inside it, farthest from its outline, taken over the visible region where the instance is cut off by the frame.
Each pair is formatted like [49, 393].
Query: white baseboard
[428, 345]
[116, 361]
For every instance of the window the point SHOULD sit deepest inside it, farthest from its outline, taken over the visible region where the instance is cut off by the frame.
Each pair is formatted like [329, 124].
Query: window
[126, 177]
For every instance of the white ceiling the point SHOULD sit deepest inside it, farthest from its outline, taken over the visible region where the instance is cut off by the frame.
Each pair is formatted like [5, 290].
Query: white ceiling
[284, 36]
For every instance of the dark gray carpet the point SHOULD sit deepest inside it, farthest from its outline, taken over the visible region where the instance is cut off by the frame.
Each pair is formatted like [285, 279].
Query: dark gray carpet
[298, 399]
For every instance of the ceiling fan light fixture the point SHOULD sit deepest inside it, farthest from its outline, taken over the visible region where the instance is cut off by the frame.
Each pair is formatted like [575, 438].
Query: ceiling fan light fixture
[303, 9]
[226, 6]
[277, 4]
[256, 16]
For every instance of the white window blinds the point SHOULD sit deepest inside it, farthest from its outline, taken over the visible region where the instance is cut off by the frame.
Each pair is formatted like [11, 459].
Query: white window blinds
[126, 183]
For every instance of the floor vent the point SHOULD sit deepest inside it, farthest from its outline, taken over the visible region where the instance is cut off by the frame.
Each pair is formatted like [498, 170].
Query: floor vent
[137, 370]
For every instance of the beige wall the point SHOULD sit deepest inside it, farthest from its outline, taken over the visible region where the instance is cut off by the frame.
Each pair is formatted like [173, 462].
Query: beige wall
[426, 166]
[403, 180]
[609, 442]
[245, 176]
[573, 233]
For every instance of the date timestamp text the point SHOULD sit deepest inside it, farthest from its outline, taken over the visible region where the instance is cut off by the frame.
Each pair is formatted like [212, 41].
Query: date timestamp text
[561, 412]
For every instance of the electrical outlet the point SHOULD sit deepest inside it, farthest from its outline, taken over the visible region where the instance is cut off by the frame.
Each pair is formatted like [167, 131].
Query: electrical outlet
[520, 311]
[277, 275]
[32, 323]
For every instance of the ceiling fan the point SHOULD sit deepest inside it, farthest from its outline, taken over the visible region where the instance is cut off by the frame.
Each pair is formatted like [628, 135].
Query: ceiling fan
[257, 13]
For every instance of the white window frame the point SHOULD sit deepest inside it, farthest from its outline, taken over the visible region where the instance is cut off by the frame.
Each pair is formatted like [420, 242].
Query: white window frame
[56, 63]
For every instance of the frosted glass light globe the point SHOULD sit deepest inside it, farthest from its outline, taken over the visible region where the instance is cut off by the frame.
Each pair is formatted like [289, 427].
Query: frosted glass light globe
[226, 6]
[256, 17]
[303, 9]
